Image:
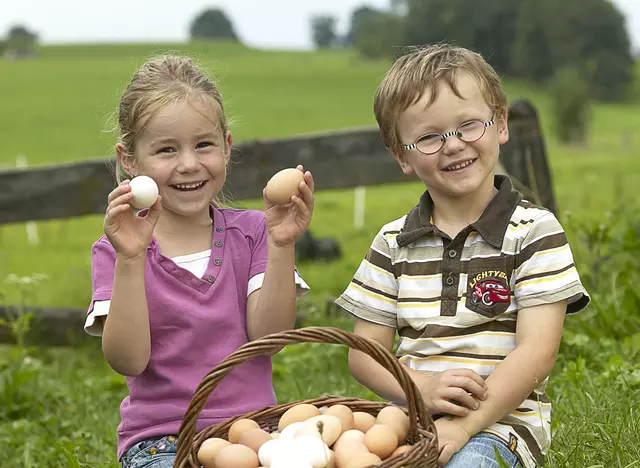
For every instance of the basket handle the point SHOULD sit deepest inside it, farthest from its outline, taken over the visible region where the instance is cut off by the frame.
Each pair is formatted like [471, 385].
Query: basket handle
[270, 344]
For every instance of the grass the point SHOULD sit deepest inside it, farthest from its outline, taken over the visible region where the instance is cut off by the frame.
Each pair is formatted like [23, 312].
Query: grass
[60, 406]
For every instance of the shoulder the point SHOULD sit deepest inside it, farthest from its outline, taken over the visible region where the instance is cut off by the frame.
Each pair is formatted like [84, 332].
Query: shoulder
[248, 223]
[103, 246]
[530, 222]
[390, 230]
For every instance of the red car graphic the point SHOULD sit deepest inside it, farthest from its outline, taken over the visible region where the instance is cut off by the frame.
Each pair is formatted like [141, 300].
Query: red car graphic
[490, 292]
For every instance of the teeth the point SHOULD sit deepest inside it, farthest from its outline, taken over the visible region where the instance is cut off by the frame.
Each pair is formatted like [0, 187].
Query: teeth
[459, 166]
[188, 186]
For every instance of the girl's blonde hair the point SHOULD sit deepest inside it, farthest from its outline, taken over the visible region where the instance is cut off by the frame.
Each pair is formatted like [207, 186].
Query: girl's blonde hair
[162, 81]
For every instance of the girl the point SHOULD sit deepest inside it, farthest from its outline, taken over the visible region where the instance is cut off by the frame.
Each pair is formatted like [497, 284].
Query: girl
[178, 287]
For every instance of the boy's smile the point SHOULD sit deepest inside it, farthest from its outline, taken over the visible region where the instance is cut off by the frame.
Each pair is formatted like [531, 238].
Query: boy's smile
[459, 168]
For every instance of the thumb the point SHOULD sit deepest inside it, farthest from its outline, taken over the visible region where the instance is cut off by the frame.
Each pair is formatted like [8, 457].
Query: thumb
[445, 455]
[154, 212]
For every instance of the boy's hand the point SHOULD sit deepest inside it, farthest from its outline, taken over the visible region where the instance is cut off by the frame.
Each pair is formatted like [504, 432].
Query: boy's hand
[454, 391]
[451, 439]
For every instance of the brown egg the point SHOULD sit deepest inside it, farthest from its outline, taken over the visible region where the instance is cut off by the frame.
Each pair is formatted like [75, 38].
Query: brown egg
[254, 438]
[297, 413]
[238, 427]
[365, 460]
[347, 451]
[344, 414]
[381, 440]
[363, 421]
[346, 436]
[283, 185]
[236, 456]
[395, 418]
[331, 428]
[400, 450]
[209, 449]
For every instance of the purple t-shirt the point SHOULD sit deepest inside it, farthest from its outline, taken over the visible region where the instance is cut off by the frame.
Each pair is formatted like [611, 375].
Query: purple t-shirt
[194, 323]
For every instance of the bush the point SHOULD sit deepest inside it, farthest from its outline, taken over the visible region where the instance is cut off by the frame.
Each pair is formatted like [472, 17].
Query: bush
[571, 105]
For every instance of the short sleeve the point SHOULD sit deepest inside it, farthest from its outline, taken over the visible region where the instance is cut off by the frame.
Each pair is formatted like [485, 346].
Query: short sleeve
[259, 262]
[103, 260]
[545, 270]
[372, 294]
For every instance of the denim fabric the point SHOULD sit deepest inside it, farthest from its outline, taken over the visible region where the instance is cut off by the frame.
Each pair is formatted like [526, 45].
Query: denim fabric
[479, 453]
[154, 453]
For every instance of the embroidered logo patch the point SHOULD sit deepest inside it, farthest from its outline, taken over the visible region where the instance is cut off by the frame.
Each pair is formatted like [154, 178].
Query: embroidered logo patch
[489, 291]
[513, 443]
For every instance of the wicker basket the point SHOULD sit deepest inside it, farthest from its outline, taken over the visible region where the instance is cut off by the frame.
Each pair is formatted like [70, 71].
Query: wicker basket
[422, 433]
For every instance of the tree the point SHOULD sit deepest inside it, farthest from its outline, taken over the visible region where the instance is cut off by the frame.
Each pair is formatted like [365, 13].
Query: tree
[212, 24]
[359, 16]
[323, 28]
[20, 42]
[571, 105]
[379, 36]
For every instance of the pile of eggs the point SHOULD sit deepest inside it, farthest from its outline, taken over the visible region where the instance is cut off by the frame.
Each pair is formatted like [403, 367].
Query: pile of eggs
[311, 437]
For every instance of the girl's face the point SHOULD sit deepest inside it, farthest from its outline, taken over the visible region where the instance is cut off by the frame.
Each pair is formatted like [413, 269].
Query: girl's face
[185, 151]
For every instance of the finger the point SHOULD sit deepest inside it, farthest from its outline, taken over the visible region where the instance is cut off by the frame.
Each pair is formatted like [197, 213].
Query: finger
[445, 455]
[471, 375]
[122, 199]
[113, 213]
[154, 212]
[307, 194]
[300, 167]
[124, 187]
[308, 178]
[460, 396]
[448, 407]
[468, 385]
[304, 211]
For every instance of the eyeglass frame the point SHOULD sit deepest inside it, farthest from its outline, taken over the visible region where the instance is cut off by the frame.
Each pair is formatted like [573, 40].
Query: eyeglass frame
[444, 136]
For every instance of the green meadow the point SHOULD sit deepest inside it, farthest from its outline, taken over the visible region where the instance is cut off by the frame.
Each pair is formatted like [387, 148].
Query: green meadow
[60, 406]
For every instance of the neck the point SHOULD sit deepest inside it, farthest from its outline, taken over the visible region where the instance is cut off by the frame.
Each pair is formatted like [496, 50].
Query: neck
[454, 214]
[174, 224]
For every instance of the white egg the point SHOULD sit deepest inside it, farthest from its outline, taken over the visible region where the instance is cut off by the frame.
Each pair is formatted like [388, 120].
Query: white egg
[313, 450]
[289, 432]
[269, 450]
[145, 192]
[289, 460]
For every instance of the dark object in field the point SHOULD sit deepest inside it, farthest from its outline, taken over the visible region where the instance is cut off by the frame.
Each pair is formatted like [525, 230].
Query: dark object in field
[524, 156]
[312, 248]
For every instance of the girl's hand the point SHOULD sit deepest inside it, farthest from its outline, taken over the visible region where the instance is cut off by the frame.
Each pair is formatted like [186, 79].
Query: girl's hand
[129, 234]
[286, 223]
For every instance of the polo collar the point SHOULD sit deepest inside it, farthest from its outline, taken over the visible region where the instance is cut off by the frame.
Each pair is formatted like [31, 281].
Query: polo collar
[492, 224]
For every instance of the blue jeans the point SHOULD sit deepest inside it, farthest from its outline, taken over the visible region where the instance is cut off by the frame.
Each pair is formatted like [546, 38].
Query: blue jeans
[154, 453]
[480, 453]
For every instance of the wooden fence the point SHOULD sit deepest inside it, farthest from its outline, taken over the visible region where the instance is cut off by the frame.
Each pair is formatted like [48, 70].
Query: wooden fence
[338, 160]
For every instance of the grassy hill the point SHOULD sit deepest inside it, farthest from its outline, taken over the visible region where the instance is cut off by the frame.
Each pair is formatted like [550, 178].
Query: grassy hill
[59, 407]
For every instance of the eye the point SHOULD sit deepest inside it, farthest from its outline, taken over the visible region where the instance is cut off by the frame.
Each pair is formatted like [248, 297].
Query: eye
[470, 125]
[430, 137]
[166, 149]
[205, 144]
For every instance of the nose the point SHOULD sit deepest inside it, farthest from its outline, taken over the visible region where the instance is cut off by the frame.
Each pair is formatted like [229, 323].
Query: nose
[452, 145]
[188, 161]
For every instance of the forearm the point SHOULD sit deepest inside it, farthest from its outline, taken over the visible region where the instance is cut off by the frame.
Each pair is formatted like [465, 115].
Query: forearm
[126, 340]
[378, 379]
[509, 385]
[276, 308]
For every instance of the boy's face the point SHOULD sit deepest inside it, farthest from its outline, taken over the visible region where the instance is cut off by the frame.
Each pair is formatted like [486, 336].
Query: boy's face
[459, 168]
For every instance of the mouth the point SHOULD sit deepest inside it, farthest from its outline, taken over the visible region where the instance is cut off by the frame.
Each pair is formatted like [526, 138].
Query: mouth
[190, 187]
[459, 166]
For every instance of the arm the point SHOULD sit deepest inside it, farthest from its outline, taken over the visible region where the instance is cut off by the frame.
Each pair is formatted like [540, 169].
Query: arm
[126, 340]
[438, 390]
[538, 334]
[272, 308]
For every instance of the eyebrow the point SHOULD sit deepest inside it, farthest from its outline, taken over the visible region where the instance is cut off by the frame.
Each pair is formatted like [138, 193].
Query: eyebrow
[460, 118]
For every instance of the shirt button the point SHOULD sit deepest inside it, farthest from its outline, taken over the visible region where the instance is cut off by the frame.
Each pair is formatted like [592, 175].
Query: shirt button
[453, 253]
[450, 280]
[218, 243]
[217, 261]
[211, 279]
[219, 229]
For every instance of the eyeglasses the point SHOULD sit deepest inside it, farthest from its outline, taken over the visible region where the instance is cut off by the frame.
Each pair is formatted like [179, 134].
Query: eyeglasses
[469, 131]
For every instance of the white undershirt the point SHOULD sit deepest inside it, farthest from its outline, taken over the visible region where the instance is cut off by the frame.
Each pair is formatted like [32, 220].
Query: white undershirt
[197, 263]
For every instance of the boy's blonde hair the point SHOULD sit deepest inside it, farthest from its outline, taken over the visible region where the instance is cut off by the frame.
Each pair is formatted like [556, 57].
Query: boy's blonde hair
[425, 66]
[160, 82]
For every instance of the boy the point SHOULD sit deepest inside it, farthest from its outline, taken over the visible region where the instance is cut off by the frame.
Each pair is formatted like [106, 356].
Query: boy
[475, 279]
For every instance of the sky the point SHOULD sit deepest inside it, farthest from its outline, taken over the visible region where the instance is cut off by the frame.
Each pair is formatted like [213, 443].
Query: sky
[283, 24]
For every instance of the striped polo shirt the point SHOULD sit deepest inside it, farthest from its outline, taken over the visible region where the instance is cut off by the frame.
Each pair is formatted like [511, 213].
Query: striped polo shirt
[454, 301]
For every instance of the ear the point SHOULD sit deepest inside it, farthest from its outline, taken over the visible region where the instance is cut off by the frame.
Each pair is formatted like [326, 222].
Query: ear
[503, 128]
[228, 141]
[127, 161]
[402, 161]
